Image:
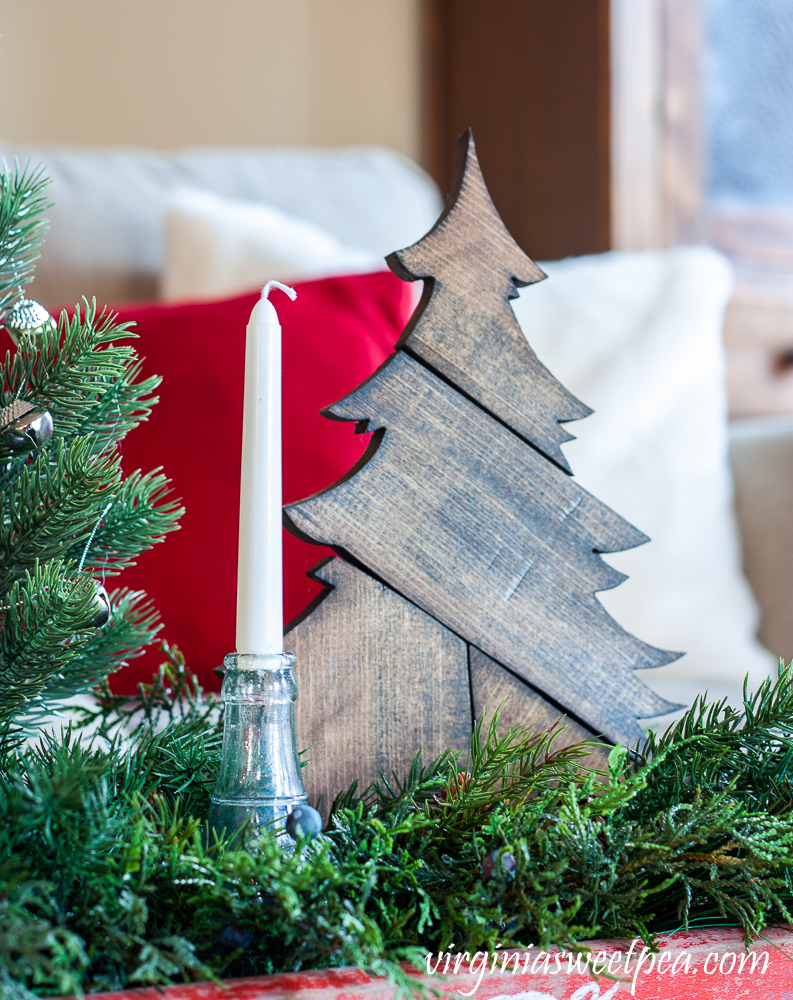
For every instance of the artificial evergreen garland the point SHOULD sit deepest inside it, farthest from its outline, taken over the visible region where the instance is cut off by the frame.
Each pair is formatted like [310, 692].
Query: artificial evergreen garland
[109, 876]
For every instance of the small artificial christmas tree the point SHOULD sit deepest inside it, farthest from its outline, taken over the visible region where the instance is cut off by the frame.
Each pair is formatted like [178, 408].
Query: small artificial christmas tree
[69, 518]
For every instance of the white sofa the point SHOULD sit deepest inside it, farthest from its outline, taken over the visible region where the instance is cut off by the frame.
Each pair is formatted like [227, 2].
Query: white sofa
[107, 236]
[106, 239]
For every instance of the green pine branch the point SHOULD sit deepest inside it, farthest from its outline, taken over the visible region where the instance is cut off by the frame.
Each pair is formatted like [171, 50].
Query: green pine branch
[88, 381]
[67, 514]
[44, 622]
[135, 517]
[133, 625]
[119, 410]
[22, 230]
[71, 503]
[51, 506]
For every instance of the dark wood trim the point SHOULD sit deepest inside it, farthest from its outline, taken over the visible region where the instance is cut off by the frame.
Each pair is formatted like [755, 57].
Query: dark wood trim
[532, 78]
[603, 164]
[435, 103]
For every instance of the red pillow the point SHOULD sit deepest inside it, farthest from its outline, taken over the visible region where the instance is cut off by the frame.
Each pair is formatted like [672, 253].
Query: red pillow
[334, 335]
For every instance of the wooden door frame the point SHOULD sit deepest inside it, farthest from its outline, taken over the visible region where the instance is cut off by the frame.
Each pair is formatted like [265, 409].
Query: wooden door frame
[656, 123]
[548, 122]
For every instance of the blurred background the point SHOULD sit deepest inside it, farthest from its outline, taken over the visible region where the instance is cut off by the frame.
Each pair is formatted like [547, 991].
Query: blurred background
[601, 125]
[627, 124]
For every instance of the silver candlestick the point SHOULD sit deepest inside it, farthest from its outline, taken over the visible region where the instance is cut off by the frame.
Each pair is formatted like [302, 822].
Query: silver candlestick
[259, 781]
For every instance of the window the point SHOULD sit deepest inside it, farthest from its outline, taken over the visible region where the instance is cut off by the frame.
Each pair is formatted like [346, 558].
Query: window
[702, 149]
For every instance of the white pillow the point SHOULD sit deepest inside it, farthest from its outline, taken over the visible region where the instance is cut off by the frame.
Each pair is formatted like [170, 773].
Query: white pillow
[218, 247]
[637, 336]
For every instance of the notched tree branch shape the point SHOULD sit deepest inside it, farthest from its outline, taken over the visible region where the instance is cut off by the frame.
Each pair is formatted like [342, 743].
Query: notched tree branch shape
[464, 326]
[465, 511]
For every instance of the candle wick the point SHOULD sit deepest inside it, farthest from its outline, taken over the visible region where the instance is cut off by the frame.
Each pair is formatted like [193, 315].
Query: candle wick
[284, 288]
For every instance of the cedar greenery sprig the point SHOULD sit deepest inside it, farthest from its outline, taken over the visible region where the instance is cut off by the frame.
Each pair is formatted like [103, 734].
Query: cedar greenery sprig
[715, 745]
[174, 693]
[113, 878]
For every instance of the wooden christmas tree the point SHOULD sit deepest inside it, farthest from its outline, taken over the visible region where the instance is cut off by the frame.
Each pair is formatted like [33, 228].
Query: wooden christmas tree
[463, 512]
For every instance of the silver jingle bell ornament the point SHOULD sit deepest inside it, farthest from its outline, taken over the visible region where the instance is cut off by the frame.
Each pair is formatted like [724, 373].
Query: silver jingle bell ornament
[99, 612]
[23, 426]
[101, 608]
[27, 318]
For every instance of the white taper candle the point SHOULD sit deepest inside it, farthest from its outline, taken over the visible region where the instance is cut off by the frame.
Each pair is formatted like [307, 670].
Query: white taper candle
[260, 601]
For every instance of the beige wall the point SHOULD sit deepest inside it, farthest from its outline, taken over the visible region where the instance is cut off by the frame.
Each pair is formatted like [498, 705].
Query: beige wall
[170, 73]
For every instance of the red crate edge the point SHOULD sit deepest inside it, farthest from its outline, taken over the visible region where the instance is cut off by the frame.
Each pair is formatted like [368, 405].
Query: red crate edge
[706, 964]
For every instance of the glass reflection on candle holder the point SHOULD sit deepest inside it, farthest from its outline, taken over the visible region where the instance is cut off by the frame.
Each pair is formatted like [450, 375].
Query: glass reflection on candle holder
[259, 781]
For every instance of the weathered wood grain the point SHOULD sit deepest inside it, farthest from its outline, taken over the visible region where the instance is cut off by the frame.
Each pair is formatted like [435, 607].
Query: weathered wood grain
[379, 680]
[459, 515]
[493, 687]
[465, 328]
[462, 505]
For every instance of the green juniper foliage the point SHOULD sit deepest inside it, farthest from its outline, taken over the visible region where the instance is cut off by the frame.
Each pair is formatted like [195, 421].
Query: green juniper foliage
[68, 517]
[110, 876]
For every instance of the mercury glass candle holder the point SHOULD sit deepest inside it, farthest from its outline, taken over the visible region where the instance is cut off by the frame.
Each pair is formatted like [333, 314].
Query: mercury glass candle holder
[259, 781]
